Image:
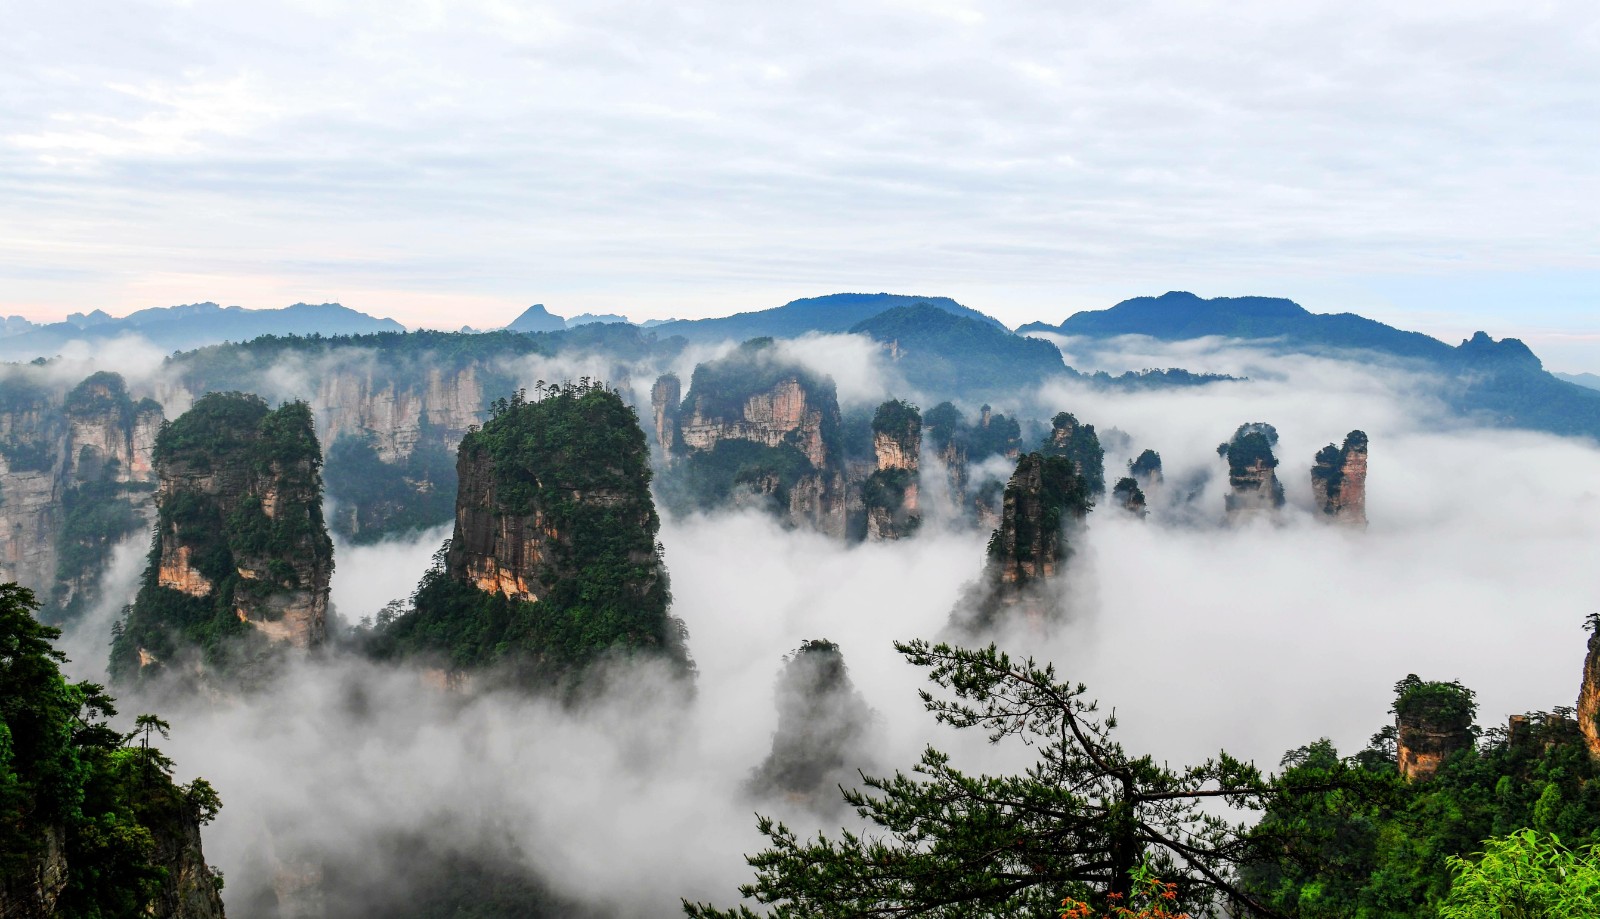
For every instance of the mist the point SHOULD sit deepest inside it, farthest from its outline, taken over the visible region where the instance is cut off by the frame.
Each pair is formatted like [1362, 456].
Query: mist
[1256, 639]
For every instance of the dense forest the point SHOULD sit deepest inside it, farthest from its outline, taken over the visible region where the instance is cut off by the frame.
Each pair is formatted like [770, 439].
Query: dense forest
[91, 823]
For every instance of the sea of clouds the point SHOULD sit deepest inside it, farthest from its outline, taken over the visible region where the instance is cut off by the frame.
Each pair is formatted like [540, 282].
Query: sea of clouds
[1477, 566]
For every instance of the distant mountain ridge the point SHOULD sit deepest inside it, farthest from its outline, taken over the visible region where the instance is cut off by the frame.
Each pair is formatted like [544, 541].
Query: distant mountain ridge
[187, 326]
[1501, 383]
[832, 313]
[1179, 315]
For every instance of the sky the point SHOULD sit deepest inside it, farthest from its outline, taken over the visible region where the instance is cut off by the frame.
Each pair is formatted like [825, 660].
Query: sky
[1430, 165]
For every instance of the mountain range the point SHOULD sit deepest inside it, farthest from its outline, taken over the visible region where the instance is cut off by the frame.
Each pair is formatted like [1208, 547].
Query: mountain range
[180, 328]
[942, 347]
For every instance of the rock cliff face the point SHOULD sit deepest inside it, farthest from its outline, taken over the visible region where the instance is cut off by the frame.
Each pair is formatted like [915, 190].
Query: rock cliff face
[1079, 443]
[890, 493]
[1045, 499]
[1589, 693]
[1433, 721]
[1339, 481]
[1146, 470]
[1253, 483]
[665, 396]
[75, 478]
[397, 418]
[390, 441]
[754, 418]
[823, 733]
[553, 563]
[242, 560]
[1129, 496]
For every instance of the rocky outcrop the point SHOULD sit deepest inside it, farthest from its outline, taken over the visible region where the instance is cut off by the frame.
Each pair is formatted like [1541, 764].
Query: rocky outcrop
[398, 416]
[1146, 470]
[30, 890]
[190, 888]
[1129, 496]
[785, 414]
[1433, 721]
[1339, 481]
[1254, 489]
[75, 478]
[1045, 500]
[553, 563]
[1079, 443]
[665, 396]
[890, 493]
[756, 416]
[824, 729]
[1589, 693]
[241, 550]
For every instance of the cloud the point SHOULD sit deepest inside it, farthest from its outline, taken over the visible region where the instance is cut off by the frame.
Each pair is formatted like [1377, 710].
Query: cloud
[1255, 639]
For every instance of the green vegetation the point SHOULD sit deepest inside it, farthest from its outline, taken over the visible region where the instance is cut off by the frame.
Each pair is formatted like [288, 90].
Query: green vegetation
[898, 419]
[1079, 443]
[709, 478]
[1376, 845]
[1252, 444]
[1445, 705]
[1077, 823]
[720, 388]
[96, 515]
[19, 394]
[1128, 495]
[944, 423]
[1001, 436]
[1526, 875]
[97, 510]
[718, 391]
[885, 489]
[949, 355]
[1062, 495]
[575, 462]
[1147, 464]
[247, 451]
[377, 500]
[68, 779]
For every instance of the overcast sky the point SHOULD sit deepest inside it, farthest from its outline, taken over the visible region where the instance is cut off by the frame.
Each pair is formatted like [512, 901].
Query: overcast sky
[1433, 165]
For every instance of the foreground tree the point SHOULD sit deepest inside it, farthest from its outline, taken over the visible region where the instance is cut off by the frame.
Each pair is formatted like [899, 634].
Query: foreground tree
[1526, 875]
[1087, 822]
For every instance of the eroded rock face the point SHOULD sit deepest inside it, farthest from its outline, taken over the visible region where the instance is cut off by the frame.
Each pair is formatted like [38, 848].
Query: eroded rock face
[553, 564]
[754, 414]
[890, 493]
[32, 891]
[1129, 496]
[1433, 721]
[75, 476]
[1589, 694]
[781, 415]
[1146, 470]
[241, 549]
[664, 398]
[397, 418]
[512, 553]
[1339, 481]
[1254, 489]
[1078, 442]
[1044, 501]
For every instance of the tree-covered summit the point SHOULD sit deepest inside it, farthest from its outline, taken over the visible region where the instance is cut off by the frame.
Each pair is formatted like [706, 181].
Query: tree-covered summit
[553, 563]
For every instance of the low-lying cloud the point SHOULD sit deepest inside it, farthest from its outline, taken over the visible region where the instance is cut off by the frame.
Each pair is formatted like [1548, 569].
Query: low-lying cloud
[1476, 566]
